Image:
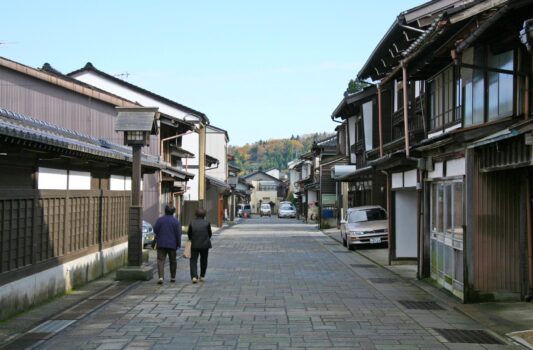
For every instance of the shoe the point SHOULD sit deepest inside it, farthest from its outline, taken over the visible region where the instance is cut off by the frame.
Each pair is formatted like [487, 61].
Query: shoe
[172, 280]
[160, 281]
[202, 279]
[194, 280]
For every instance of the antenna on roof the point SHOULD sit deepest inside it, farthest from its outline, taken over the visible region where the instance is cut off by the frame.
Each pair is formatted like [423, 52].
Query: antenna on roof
[4, 43]
[122, 76]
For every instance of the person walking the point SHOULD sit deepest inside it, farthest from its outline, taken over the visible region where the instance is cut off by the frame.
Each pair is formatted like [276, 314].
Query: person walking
[199, 233]
[167, 231]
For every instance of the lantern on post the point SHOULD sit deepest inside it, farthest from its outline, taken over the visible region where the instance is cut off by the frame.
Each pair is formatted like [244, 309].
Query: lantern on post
[137, 123]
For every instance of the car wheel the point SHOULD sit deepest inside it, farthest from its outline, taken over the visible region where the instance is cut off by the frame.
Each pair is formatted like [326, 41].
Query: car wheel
[351, 247]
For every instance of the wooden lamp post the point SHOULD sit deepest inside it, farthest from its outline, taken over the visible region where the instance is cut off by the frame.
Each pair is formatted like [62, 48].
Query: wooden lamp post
[138, 124]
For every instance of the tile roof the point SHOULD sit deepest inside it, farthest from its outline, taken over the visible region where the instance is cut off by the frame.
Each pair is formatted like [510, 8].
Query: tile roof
[22, 127]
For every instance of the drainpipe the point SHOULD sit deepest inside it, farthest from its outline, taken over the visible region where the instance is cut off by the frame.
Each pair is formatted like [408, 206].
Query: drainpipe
[530, 239]
[405, 108]
[526, 94]
[379, 122]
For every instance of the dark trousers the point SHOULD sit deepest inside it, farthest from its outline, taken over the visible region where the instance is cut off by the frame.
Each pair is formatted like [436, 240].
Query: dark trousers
[194, 262]
[161, 256]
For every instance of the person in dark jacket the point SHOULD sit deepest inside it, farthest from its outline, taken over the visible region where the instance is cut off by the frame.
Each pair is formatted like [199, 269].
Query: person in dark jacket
[167, 231]
[200, 236]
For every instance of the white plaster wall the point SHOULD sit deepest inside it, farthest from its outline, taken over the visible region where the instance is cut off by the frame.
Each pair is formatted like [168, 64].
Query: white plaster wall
[293, 177]
[216, 146]
[190, 142]
[351, 131]
[274, 173]
[28, 291]
[95, 80]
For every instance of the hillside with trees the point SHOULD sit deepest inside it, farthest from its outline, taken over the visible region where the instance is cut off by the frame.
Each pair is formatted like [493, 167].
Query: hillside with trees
[274, 153]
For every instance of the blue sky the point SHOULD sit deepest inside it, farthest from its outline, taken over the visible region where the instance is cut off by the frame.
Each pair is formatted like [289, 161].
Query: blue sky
[259, 69]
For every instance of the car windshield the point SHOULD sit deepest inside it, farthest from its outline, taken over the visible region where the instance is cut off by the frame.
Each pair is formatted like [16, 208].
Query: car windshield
[265, 206]
[367, 215]
[286, 207]
[247, 206]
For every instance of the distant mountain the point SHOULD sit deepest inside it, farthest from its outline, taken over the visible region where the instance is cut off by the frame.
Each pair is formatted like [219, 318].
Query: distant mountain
[275, 153]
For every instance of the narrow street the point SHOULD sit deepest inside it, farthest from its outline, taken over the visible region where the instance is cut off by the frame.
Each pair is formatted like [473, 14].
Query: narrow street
[272, 284]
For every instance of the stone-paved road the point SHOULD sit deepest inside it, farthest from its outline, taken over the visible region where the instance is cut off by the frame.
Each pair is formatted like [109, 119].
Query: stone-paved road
[271, 284]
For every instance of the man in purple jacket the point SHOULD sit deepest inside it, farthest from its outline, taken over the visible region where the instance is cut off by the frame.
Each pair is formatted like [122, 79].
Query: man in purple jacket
[167, 231]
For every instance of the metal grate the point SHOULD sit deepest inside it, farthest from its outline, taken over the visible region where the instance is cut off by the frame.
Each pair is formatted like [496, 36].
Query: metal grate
[383, 280]
[468, 336]
[365, 266]
[420, 305]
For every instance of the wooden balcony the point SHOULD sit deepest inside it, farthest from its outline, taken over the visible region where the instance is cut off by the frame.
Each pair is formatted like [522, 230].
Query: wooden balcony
[415, 120]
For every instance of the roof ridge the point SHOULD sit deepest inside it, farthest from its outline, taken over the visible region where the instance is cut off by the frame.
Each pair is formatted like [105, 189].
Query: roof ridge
[90, 67]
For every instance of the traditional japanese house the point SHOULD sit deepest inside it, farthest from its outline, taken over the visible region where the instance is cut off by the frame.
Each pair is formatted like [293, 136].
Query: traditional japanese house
[64, 207]
[364, 185]
[325, 157]
[178, 118]
[48, 95]
[471, 168]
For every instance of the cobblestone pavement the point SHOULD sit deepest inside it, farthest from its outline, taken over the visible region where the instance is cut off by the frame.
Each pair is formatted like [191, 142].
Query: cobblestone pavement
[272, 284]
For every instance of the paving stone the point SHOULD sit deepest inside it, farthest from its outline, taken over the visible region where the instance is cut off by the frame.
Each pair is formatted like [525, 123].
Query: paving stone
[268, 287]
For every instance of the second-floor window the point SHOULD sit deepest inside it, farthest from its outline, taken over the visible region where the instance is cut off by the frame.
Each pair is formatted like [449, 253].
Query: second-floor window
[488, 85]
[442, 99]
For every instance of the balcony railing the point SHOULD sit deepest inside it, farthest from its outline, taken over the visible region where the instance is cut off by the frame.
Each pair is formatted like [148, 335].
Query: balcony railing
[415, 120]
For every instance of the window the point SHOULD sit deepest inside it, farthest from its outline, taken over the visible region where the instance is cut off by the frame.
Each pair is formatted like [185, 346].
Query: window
[488, 93]
[441, 99]
[367, 215]
[500, 86]
[447, 234]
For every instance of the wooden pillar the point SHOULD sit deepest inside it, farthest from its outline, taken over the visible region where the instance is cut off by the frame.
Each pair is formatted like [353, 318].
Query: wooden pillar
[135, 213]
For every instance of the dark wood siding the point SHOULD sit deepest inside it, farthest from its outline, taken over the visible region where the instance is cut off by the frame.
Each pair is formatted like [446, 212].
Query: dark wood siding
[40, 100]
[40, 229]
[496, 231]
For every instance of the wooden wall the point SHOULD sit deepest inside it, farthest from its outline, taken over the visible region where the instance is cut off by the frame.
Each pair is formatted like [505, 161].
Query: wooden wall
[41, 229]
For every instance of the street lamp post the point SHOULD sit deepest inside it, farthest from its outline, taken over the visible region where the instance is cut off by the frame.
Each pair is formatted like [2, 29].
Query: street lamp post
[137, 124]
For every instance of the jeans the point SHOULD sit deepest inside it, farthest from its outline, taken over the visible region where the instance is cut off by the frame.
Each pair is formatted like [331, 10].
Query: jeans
[161, 256]
[194, 262]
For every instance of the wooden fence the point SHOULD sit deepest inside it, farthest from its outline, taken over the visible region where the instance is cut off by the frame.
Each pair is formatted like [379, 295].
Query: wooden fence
[40, 229]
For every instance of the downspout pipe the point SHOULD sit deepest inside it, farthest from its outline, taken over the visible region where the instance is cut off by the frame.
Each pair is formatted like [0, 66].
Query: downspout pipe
[380, 126]
[405, 108]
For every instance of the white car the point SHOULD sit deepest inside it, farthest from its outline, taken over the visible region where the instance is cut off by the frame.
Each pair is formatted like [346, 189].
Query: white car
[265, 210]
[364, 225]
[286, 211]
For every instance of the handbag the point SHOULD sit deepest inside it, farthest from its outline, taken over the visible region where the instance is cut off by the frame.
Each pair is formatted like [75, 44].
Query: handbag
[187, 250]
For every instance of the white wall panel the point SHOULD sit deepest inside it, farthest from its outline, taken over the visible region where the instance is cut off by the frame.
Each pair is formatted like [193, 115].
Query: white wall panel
[397, 180]
[437, 171]
[409, 178]
[52, 179]
[455, 167]
[79, 180]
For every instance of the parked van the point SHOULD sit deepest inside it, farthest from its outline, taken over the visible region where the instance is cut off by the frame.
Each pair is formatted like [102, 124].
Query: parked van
[244, 210]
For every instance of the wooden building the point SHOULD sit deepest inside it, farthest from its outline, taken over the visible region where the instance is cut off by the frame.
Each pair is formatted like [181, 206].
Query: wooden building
[64, 201]
[461, 89]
